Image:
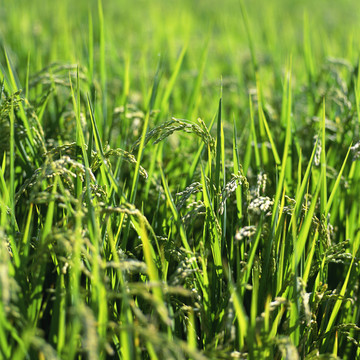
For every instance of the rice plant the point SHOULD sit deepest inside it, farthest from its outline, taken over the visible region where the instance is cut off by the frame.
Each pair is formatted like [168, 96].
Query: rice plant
[179, 180]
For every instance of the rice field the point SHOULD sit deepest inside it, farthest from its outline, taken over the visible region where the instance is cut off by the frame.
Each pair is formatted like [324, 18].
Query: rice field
[179, 180]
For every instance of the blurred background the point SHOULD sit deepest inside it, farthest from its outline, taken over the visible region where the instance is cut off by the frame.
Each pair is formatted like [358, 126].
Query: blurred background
[137, 34]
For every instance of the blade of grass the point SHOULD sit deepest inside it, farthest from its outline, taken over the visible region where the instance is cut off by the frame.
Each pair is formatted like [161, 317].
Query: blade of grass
[249, 37]
[268, 132]
[102, 69]
[14, 224]
[336, 185]
[6, 199]
[323, 193]
[13, 88]
[211, 217]
[99, 293]
[150, 260]
[143, 135]
[182, 231]
[336, 308]
[280, 184]
[174, 76]
[309, 60]
[261, 117]
[255, 143]
[91, 47]
[197, 157]
[305, 228]
[236, 170]
[309, 258]
[218, 154]
[27, 77]
[241, 317]
[194, 97]
[305, 181]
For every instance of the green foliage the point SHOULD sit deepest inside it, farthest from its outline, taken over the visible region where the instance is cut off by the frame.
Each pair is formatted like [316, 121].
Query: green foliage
[128, 232]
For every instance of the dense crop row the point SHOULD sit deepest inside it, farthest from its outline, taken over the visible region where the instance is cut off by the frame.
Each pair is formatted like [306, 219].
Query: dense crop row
[179, 180]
